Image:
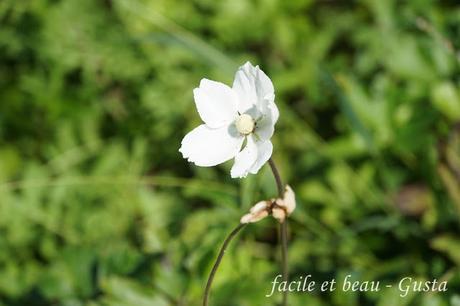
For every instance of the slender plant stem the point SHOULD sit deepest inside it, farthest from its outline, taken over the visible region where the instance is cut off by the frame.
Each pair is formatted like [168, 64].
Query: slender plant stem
[218, 260]
[283, 231]
[284, 258]
[276, 174]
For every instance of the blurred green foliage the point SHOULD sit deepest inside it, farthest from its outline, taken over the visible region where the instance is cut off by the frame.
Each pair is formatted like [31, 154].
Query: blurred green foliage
[97, 207]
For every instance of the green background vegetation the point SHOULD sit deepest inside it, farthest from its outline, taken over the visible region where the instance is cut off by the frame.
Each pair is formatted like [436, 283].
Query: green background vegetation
[97, 207]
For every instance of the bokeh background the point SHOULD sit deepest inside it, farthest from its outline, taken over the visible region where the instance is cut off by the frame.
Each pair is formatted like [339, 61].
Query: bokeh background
[97, 207]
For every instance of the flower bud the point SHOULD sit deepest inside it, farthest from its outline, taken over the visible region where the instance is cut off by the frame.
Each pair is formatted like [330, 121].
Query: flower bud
[285, 206]
[257, 212]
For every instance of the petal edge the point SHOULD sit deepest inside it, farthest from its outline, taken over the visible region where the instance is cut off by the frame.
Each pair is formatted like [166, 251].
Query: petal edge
[208, 147]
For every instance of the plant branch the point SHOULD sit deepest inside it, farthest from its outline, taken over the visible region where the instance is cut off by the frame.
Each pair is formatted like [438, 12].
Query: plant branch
[283, 230]
[284, 258]
[276, 174]
[218, 260]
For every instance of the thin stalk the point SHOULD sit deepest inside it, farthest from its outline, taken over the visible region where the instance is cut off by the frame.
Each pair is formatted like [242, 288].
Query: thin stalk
[276, 174]
[284, 258]
[283, 231]
[218, 260]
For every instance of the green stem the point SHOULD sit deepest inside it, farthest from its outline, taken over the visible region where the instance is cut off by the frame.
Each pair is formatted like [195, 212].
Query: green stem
[284, 257]
[283, 231]
[218, 260]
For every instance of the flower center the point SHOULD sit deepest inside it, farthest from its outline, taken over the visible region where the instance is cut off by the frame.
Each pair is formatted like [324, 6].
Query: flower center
[245, 124]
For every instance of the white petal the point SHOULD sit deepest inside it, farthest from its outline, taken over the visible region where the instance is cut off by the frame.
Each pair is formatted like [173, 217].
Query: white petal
[266, 124]
[208, 147]
[216, 103]
[264, 85]
[273, 109]
[265, 128]
[252, 86]
[245, 159]
[264, 152]
[244, 86]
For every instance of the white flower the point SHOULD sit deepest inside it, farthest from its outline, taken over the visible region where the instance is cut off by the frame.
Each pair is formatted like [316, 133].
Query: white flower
[279, 208]
[246, 111]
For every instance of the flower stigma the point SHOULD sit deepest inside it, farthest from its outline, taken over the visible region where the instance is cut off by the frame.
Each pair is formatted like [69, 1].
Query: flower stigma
[245, 124]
